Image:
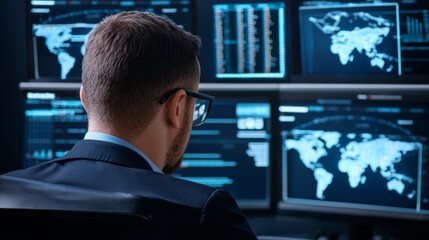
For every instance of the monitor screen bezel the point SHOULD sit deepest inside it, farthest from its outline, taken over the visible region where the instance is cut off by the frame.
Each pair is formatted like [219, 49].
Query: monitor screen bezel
[309, 93]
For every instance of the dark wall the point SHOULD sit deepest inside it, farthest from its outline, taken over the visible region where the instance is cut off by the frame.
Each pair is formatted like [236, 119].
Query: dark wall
[13, 67]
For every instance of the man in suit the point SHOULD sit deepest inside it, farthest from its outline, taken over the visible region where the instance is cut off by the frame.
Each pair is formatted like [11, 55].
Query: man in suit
[140, 79]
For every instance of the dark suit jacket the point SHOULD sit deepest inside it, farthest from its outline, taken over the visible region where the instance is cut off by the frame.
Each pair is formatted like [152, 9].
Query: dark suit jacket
[193, 211]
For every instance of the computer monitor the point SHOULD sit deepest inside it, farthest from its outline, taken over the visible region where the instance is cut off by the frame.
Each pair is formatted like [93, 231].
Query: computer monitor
[58, 31]
[385, 39]
[54, 120]
[243, 41]
[350, 39]
[232, 149]
[355, 151]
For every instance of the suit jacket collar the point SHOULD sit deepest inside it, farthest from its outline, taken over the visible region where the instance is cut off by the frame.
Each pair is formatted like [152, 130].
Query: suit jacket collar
[106, 152]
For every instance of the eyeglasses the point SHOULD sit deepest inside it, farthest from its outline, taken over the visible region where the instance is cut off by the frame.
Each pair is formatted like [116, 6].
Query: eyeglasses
[202, 105]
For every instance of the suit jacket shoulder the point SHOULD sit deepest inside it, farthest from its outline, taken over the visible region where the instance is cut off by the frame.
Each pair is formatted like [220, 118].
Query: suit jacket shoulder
[178, 204]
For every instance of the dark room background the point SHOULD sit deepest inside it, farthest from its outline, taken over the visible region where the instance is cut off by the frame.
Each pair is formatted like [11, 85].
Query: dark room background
[13, 70]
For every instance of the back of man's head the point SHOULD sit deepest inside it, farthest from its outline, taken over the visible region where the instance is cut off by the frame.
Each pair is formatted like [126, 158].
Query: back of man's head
[131, 59]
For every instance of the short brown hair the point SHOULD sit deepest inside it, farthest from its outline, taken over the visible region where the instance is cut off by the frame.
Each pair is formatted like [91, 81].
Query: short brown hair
[131, 58]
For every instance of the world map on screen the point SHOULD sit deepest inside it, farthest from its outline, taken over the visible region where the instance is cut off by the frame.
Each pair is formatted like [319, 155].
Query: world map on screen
[360, 33]
[62, 40]
[350, 159]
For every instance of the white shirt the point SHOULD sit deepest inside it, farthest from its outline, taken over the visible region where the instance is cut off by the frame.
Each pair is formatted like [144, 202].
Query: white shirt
[115, 140]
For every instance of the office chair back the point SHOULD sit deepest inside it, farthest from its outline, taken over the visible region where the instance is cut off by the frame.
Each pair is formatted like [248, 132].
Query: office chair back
[35, 209]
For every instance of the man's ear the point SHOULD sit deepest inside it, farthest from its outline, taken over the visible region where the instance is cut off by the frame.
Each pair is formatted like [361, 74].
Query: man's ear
[176, 108]
[82, 97]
